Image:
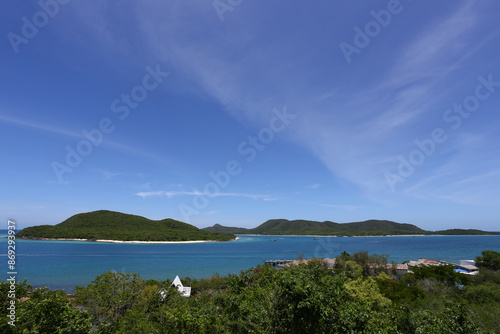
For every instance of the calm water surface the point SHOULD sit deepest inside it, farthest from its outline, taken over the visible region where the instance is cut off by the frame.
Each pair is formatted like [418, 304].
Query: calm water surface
[65, 264]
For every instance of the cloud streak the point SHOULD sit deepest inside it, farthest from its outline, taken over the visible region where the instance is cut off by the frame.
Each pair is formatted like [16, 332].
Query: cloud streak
[40, 127]
[347, 122]
[73, 134]
[172, 194]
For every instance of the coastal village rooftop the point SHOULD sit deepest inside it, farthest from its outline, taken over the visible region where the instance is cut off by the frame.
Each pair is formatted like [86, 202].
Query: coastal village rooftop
[401, 268]
[465, 267]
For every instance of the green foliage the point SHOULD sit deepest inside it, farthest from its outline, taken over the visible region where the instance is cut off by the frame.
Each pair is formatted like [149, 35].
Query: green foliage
[486, 275]
[42, 311]
[51, 312]
[21, 291]
[306, 298]
[383, 276]
[345, 256]
[307, 227]
[483, 297]
[484, 293]
[360, 263]
[213, 283]
[109, 225]
[367, 290]
[458, 231]
[6, 296]
[368, 227]
[349, 269]
[454, 319]
[489, 260]
[371, 264]
[401, 291]
[109, 296]
[226, 229]
[443, 273]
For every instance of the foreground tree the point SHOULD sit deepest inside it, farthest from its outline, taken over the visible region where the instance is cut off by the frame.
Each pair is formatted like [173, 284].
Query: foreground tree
[42, 311]
[489, 260]
[109, 296]
[49, 311]
[306, 298]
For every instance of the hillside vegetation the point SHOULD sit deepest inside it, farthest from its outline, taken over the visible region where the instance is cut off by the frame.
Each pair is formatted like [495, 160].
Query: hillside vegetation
[225, 229]
[310, 297]
[458, 231]
[365, 228]
[111, 225]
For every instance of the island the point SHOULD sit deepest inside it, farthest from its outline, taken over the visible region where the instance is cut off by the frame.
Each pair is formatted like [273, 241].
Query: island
[111, 226]
[371, 227]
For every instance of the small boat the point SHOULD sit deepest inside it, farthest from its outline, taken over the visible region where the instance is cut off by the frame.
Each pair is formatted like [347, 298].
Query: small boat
[316, 238]
[272, 240]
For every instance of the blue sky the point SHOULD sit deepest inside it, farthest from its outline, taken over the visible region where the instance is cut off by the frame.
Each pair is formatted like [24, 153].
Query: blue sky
[235, 112]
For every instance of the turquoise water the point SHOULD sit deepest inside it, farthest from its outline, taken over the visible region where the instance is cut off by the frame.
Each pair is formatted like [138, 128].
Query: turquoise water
[65, 264]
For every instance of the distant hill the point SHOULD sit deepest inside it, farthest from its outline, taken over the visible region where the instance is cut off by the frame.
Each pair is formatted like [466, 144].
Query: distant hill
[110, 225]
[224, 229]
[457, 231]
[364, 228]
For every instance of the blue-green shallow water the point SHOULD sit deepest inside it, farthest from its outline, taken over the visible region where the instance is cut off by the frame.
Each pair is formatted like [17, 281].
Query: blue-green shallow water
[65, 264]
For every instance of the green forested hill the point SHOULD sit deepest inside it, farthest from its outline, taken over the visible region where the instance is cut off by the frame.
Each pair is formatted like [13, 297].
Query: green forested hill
[303, 227]
[112, 225]
[458, 231]
[307, 227]
[224, 229]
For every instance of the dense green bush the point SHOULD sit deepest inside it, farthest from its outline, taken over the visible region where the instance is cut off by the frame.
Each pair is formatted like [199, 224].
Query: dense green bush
[43, 311]
[489, 260]
[307, 298]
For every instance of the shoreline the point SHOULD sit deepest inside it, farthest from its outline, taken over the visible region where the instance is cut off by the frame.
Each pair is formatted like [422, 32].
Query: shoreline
[127, 242]
[336, 236]
[365, 236]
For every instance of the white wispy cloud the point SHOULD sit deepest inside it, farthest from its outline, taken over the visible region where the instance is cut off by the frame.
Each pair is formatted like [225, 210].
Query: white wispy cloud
[430, 53]
[62, 182]
[40, 126]
[106, 175]
[351, 131]
[46, 128]
[435, 53]
[335, 206]
[456, 180]
[362, 149]
[145, 194]
[172, 194]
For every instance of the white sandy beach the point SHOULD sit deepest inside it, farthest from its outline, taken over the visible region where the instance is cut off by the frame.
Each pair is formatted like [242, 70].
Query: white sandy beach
[135, 241]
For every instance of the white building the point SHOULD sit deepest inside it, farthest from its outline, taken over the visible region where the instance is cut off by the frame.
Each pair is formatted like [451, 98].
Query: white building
[184, 290]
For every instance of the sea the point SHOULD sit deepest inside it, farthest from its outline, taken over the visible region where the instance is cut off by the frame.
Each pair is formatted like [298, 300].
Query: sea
[66, 264]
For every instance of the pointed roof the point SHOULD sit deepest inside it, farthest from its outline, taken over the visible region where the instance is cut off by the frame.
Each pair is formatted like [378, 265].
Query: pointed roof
[185, 291]
[178, 284]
